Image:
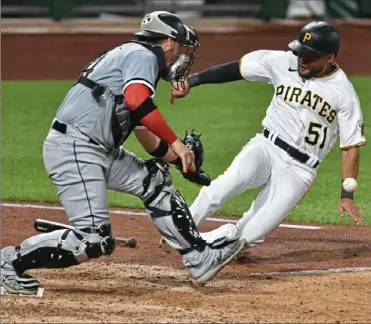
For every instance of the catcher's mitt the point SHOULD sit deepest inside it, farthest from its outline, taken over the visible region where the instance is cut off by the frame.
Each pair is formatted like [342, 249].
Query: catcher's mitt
[199, 177]
[193, 142]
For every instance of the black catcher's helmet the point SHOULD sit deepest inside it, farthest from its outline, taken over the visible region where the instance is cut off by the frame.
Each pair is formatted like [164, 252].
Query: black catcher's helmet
[316, 39]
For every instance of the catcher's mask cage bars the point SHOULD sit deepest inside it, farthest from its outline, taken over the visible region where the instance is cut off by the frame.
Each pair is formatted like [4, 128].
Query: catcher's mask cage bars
[184, 69]
[162, 24]
[185, 61]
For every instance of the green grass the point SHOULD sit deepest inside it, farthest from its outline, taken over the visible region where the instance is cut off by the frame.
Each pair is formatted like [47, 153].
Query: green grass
[228, 115]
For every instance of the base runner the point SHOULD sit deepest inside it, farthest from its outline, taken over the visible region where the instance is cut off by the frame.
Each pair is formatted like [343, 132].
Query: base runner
[313, 104]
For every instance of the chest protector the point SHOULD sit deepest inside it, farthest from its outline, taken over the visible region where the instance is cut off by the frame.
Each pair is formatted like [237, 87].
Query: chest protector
[122, 121]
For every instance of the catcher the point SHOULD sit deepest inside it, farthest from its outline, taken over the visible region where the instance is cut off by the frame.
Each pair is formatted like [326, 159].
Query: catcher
[83, 156]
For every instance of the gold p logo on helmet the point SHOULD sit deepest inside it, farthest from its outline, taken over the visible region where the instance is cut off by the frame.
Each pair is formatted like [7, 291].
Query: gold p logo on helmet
[307, 37]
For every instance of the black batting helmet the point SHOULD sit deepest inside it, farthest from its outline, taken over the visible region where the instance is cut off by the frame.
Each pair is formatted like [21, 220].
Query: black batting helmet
[316, 39]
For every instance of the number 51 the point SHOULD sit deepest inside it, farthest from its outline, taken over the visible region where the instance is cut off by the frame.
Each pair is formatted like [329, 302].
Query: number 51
[314, 134]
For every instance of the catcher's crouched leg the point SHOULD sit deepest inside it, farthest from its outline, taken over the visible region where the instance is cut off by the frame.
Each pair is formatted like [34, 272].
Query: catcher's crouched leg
[168, 210]
[57, 249]
[171, 216]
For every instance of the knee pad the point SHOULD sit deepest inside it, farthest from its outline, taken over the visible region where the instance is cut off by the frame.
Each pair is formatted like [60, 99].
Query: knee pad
[168, 209]
[158, 178]
[183, 220]
[171, 216]
[97, 242]
[63, 248]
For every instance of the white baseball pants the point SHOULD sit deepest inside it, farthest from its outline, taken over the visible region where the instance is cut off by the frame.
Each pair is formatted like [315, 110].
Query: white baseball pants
[283, 182]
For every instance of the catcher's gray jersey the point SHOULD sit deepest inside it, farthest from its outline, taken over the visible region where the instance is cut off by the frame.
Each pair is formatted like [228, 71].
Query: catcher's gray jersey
[115, 70]
[83, 156]
[86, 157]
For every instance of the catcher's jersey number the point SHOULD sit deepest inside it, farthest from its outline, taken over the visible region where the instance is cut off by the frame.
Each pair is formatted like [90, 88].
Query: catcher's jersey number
[316, 132]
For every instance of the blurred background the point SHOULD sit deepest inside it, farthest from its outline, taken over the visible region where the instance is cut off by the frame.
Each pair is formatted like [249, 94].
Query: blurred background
[261, 9]
[45, 44]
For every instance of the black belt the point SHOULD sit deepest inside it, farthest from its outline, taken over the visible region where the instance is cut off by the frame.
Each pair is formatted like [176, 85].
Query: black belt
[290, 150]
[96, 89]
[62, 128]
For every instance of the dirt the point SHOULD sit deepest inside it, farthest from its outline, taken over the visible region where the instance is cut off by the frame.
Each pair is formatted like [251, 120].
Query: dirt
[147, 285]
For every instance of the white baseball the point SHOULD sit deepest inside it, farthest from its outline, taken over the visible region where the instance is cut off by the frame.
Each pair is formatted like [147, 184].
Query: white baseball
[350, 184]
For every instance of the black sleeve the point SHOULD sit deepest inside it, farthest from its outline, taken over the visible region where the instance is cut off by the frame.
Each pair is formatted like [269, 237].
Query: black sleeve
[222, 73]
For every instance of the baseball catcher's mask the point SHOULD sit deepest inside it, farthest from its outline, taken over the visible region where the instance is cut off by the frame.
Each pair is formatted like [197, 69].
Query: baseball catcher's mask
[181, 68]
[158, 24]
